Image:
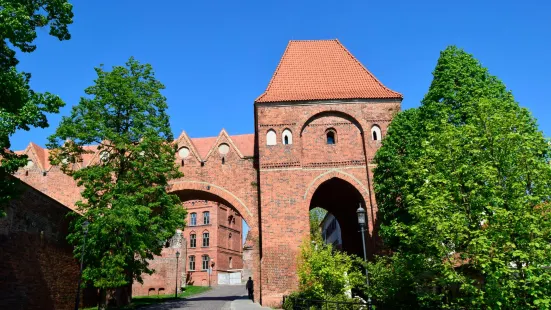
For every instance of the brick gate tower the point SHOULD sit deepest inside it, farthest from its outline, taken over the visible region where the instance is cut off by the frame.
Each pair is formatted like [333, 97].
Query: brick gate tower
[318, 126]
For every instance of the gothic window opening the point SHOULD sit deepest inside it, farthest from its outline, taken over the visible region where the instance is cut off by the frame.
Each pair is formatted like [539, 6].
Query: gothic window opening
[231, 263]
[192, 240]
[331, 136]
[206, 217]
[193, 219]
[287, 137]
[192, 262]
[271, 137]
[205, 239]
[205, 262]
[376, 133]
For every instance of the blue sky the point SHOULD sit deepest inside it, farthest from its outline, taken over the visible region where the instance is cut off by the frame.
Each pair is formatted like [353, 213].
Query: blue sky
[216, 57]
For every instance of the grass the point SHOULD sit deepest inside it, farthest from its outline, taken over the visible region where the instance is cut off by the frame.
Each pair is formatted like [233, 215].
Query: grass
[140, 301]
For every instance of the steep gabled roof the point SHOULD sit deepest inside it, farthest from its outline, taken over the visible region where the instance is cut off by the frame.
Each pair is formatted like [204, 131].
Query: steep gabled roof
[322, 70]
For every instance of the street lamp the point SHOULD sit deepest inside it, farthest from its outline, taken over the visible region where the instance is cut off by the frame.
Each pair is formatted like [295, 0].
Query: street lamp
[85, 229]
[361, 220]
[176, 288]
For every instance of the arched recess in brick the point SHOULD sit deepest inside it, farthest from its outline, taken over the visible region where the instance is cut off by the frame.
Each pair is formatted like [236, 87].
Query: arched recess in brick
[345, 148]
[328, 113]
[341, 195]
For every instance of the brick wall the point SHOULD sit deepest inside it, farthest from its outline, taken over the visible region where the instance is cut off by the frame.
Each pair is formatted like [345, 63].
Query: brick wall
[37, 268]
[291, 174]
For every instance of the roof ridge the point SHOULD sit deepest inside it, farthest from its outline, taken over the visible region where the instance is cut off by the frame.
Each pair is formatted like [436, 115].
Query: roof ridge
[363, 67]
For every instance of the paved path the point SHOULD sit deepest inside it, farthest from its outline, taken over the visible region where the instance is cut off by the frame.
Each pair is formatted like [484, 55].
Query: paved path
[219, 298]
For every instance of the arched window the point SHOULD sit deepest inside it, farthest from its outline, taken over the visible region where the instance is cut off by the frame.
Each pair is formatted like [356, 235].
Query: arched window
[193, 219]
[205, 262]
[271, 137]
[206, 239]
[192, 240]
[376, 133]
[206, 217]
[192, 262]
[231, 265]
[287, 137]
[331, 136]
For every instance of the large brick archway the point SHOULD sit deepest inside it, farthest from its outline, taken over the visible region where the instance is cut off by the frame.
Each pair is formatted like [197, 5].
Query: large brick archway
[190, 189]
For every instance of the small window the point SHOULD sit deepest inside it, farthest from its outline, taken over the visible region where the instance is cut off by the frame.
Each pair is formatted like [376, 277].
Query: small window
[205, 262]
[376, 133]
[205, 239]
[192, 262]
[231, 263]
[287, 137]
[193, 219]
[271, 137]
[192, 240]
[206, 217]
[331, 136]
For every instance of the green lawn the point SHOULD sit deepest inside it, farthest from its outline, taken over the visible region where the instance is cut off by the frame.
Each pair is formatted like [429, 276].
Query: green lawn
[140, 301]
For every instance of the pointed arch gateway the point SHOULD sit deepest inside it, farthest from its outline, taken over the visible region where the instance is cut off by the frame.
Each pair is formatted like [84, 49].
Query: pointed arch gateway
[340, 194]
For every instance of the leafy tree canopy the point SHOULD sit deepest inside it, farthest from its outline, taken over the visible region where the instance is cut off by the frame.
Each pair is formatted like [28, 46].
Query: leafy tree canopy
[20, 106]
[125, 196]
[463, 185]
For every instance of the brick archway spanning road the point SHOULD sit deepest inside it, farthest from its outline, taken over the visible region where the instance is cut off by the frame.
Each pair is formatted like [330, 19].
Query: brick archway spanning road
[201, 189]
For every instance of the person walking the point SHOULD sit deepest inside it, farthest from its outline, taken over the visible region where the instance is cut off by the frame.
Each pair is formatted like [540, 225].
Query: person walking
[250, 287]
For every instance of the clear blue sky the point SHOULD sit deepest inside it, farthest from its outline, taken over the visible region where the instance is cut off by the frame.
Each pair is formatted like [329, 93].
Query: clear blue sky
[216, 57]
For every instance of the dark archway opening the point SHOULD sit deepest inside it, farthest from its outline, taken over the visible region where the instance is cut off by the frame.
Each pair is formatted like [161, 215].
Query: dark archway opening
[341, 199]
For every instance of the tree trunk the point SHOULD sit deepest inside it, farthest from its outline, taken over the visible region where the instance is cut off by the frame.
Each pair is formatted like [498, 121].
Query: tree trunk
[102, 303]
[123, 295]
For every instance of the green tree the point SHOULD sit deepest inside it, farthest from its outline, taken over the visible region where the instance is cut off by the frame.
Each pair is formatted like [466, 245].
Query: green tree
[463, 185]
[125, 196]
[20, 106]
[326, 274]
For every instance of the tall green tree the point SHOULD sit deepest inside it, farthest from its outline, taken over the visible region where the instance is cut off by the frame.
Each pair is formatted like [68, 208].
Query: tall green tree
[125, 197]
[20, 106]
[463, 185]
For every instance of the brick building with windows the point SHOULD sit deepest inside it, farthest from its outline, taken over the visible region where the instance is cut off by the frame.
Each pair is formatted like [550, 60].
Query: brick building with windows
[317, 125]
[212, 238]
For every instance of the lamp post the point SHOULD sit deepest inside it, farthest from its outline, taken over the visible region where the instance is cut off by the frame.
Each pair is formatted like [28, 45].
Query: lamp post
[176, 287]
[85, 229]
[361, 220]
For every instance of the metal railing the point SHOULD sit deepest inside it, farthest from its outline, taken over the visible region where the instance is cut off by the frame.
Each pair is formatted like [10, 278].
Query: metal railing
[294, 303]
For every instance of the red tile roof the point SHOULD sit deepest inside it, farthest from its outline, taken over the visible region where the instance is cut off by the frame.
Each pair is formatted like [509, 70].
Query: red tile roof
[203, 145]
[322, 70]
[245, 144]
